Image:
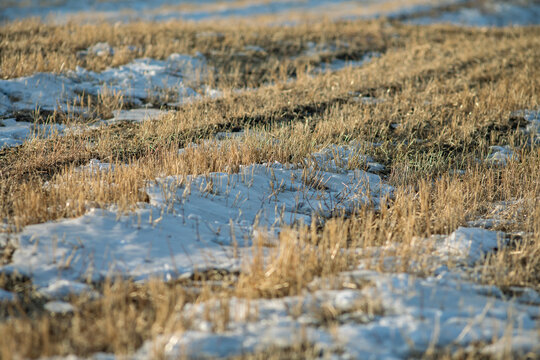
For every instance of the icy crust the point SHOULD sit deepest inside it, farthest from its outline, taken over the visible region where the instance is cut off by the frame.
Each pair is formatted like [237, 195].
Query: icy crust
[137, 81]
[411, 315]
[191, 223]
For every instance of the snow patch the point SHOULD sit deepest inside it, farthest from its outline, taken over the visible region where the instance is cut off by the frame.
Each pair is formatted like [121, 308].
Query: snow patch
[63, 288]
[501, 155]
[470, 244]
[136, 81]
[6, 296]
[101, 49]
[336, 158]
[192, 223]
[496, 13]
[13, 133]
[163, 10]
[417, 314]
[59, 307]
[533, 127]
[134, 115]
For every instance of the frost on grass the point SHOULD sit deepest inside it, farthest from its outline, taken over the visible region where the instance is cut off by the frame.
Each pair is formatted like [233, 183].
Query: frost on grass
[136, 81]
[192, 223]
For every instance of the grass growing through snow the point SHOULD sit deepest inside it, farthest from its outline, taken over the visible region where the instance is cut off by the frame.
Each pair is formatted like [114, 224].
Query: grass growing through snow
[446, 93]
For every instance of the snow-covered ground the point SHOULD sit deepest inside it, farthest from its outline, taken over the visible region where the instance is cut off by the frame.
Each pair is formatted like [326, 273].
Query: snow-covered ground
[162, 10]
[480, 13]
[208, 222]
[13, 133]
[191, 223]
[368, 314]
[499, 13]
[137, 81]
[414, 315]
[501, 155]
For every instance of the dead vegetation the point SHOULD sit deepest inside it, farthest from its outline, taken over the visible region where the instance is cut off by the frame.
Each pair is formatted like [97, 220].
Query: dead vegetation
[446, 93]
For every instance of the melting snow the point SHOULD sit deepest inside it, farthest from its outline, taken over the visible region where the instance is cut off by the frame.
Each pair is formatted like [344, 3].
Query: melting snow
[59, 307]
[501, 155]
[137, 81]
[13, 133]
[209, 217]
[471, 244]
[6, 296]
[496, 13]
[417, 314]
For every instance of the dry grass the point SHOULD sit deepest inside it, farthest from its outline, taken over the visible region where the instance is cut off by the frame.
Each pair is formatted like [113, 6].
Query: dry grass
[29, 46]
[448, 95]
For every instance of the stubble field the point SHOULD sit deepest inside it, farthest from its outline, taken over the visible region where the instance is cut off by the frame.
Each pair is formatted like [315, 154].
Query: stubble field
[236, 189]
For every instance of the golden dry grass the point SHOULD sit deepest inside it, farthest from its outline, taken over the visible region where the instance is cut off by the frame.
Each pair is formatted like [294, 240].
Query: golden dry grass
[450, 91]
